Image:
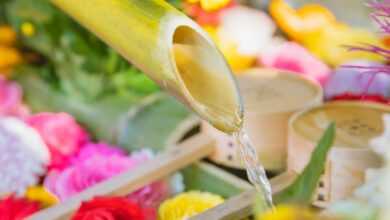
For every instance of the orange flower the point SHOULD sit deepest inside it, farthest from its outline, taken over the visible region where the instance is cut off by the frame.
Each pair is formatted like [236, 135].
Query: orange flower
[7, 36]
[9, 57]
[316, 28]
[296, 23]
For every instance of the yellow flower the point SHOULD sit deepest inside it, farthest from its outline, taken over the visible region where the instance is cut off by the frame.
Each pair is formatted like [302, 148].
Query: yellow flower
[317, 29]
[9, 57]
[41, 195]
[285, 212]
[188, 204]
[7, 36]
[326, 44]
[228, 48]
[28, 29]
[210, 5]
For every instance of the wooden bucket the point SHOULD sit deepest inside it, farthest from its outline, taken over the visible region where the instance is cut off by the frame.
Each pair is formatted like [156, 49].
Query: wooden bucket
[270, 98]
[357, 123]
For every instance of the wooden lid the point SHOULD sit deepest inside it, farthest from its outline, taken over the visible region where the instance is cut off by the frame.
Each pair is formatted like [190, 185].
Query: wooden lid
[357, 122]
[272, 91]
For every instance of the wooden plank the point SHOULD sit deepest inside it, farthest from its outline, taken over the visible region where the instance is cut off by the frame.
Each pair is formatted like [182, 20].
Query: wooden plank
[237, 207]
[162, 165]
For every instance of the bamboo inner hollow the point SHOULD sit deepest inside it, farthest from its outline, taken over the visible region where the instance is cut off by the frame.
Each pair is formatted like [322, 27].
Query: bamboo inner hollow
[207, 78]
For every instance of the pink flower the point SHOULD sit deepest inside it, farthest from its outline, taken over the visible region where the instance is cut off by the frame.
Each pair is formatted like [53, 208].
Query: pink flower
[102, 163]
[61, 133]
[11, 99]
[293, 57]
[151, 196]
[101, 148]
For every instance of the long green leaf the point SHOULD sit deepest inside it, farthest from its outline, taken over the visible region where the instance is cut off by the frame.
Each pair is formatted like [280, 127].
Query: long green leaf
[303, 188]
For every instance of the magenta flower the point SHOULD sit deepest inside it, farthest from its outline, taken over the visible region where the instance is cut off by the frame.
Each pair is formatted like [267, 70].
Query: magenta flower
[11, 99]
[61, 133]
[93, 164]
[91, 149]
[293, 57]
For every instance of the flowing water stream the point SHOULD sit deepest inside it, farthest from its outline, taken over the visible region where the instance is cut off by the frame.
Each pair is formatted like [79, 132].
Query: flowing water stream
[254, 169]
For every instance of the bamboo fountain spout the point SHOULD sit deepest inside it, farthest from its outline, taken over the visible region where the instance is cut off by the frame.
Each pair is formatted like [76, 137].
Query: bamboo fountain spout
[170, 48]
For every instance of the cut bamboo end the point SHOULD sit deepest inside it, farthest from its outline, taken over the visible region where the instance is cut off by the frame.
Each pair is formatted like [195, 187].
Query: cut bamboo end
[205, 79]
[170, 48]
[270, 98]
[357, 123]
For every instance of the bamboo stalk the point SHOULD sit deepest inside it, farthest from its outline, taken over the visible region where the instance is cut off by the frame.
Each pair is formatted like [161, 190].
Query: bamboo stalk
[172, 49]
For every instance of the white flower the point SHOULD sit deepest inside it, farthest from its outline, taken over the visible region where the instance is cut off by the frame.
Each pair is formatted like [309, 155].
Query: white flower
[251, 30]
[23, 156]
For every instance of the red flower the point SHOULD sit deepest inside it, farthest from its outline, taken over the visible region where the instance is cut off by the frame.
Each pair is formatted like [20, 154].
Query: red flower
[109, 208]
[203, 17]
[12, 208]
[373, 98]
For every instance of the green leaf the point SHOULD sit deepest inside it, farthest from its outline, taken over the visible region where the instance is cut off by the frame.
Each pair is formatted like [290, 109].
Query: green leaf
[176, 3]
[131, 122]
[101, 117]
[153, 123]
[82, 66]
[303, 188]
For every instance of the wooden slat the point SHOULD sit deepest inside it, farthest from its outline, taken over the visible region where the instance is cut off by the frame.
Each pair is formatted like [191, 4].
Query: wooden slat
[162, 165]
[237, 207]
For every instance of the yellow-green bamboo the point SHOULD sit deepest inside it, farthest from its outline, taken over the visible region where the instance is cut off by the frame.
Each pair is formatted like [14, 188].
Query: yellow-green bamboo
[170, 48]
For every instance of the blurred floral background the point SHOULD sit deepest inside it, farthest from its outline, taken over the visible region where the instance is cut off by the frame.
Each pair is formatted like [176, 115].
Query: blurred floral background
[75, 113]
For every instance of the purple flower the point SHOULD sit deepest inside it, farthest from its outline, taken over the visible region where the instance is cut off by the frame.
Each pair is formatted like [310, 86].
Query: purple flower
[381, 16]
[357, 82]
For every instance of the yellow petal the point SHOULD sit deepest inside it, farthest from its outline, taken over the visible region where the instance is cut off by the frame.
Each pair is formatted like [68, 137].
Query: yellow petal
[284, 212]
[192, 1]
[28, 29]
[41, 195]
[328, 44]
[211, 5]
[187, 204]
[297, 23]
[236, 61]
